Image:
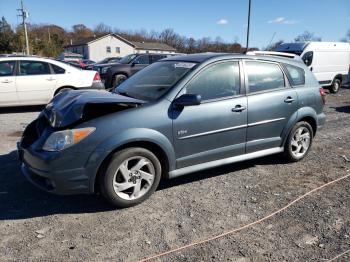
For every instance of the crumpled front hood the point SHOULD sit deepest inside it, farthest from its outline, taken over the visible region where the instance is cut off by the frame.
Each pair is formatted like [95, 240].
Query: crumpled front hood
[78, 105]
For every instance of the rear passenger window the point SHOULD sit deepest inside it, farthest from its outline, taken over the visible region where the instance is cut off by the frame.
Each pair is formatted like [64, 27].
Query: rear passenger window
[143, 60]
[296, 75]
[218, 81]
[57, 69]
[263, 76]
[7, 68]
[34, 68]
[155, 58]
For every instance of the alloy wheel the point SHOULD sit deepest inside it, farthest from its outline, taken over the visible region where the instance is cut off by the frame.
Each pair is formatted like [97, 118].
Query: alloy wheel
[300, 142]
[134, 178]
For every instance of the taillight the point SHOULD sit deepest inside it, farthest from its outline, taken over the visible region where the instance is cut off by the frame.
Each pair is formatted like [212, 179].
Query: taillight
[323, 95]
[97, 77]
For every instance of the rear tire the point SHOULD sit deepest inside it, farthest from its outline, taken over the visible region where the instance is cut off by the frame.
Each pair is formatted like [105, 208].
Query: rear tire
[298, 142]
[132, 175]
[118, 79]
[334, 88]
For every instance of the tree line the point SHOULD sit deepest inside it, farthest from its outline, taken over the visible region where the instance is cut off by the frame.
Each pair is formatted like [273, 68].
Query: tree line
[49, 40]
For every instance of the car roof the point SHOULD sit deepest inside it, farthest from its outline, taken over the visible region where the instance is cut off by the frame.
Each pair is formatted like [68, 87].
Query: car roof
[41, 59]
[34, 58]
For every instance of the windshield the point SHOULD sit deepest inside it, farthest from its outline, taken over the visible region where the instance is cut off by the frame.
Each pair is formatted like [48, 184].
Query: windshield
[104, 61]
[127, 59]
[155, 80]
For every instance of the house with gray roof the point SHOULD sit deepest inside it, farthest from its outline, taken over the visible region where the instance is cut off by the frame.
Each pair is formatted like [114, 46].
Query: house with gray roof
[113, 45]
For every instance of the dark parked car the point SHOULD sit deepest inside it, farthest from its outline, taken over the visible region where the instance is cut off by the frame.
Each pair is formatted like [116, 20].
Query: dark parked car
[177, 116]
[128, 66]
[102, 69]
[108, 60]
[103, 64]
[88, 62]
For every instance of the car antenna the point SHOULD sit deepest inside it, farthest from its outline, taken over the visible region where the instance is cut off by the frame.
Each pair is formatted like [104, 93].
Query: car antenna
[248, 27]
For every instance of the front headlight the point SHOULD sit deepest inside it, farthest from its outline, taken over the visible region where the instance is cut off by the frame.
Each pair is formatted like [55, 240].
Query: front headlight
[104, 69]
[62, 139]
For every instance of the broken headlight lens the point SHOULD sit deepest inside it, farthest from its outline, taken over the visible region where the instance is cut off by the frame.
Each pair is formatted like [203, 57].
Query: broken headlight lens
[63, 139]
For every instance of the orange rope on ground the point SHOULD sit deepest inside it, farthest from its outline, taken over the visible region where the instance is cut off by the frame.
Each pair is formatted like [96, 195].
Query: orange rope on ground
[245, 226]
[340, 255]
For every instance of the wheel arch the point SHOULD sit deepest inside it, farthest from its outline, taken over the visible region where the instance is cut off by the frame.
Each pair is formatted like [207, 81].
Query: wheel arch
[338, 76]
[152, 140]
[151, 146]
[60, 88]
[306, 114]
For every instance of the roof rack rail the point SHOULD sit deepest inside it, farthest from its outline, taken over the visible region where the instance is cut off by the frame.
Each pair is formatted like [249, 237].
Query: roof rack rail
[272, 53]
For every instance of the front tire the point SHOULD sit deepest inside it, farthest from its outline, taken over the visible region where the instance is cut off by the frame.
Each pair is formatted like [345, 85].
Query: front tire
[132, 175]
[298, 142]
[334, 88]
[118, 79]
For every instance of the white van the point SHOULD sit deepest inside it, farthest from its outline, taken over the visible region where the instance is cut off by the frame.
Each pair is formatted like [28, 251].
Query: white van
[329, 61]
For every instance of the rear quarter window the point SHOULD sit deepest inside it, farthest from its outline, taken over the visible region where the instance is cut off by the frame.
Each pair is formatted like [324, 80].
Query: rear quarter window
[296, 75]
[57, 69]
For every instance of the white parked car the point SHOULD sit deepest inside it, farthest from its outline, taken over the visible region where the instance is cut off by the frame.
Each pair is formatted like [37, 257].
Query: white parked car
[329, 61]
[34, 81]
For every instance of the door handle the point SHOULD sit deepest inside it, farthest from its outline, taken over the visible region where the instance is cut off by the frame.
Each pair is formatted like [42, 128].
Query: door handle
[238, 108]
[6, 81]
[289, 100]
[50, 79]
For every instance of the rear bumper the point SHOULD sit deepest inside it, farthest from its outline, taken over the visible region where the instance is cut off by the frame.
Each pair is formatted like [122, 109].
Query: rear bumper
[321, 120]
[98, 85]
[95, 85]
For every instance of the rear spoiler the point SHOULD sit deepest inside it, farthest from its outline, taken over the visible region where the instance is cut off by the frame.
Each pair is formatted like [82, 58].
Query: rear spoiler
[272, 53]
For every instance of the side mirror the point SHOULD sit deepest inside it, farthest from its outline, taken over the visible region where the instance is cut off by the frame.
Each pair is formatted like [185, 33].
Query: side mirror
[188, 100]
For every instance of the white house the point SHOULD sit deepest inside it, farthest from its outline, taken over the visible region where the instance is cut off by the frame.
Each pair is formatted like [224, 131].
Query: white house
[113, 45]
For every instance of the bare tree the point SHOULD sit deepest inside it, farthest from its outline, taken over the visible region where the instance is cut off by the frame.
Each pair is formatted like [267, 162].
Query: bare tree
[102, 29]
[307, 36]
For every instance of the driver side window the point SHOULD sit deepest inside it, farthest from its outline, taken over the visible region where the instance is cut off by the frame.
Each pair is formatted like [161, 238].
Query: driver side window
[217, 81]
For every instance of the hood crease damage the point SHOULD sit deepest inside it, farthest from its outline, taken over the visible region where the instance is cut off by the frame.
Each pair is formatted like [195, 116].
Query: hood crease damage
[71, 107]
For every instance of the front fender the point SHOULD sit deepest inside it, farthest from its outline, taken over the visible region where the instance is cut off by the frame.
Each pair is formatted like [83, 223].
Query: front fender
[127, 136]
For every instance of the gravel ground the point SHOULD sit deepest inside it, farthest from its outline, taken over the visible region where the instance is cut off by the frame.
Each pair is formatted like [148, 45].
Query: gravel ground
[36, 226]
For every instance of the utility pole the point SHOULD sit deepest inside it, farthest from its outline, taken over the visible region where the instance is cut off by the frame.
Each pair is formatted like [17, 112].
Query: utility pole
[24, 15]
[248, 26]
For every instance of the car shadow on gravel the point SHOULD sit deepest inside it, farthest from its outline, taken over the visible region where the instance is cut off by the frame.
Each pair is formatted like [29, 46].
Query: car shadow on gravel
[222, 170]
[342, 109]
[21, 109]
[21, 200]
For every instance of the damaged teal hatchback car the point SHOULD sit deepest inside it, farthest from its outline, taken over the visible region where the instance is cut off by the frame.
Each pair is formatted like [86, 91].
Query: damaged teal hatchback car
[177, 116]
